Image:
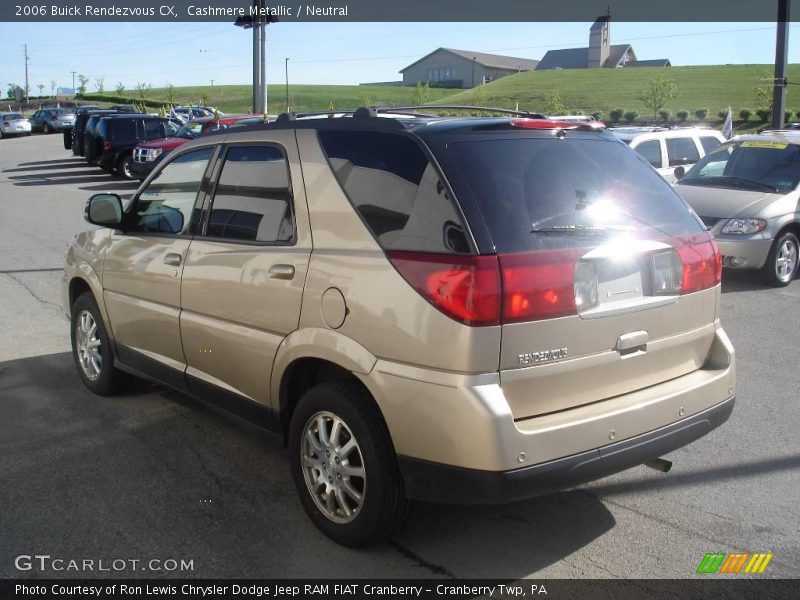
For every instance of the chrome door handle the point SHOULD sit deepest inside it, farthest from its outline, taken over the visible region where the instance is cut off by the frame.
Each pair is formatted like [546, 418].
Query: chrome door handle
[281, 272]
[172, 259]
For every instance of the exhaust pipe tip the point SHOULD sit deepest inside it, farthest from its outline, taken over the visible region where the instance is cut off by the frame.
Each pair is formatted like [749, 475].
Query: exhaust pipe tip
[659, 464]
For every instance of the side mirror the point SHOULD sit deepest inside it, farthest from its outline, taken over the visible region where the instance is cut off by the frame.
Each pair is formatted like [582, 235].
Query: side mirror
[679, 172]
[104, 210]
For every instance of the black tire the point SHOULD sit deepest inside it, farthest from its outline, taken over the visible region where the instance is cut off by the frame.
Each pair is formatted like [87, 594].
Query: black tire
[123, 166]
[45, 128]
[774, 272]
[383, 508]
[67, 140]
[110, 379]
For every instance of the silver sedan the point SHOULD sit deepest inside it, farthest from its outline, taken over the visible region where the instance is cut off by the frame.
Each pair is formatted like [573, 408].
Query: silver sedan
[12, 123]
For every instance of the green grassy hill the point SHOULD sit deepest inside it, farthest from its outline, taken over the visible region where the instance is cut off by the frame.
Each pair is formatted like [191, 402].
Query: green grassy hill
[238, 98]
[591, 90]
[578, 91]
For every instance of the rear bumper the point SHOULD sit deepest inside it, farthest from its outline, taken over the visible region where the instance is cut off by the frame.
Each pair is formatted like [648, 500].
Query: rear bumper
[434, 482]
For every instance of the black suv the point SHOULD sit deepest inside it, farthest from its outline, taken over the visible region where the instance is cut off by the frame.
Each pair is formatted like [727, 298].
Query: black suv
[117, 135]
[81, 119]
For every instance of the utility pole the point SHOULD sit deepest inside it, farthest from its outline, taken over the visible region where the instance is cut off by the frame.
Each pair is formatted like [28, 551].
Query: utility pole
[781, 58]
[212, 82]
[73, 82]
[26, 73]
[287, 84]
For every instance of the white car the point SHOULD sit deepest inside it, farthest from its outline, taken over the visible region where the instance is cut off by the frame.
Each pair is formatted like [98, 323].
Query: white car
[13, 123]
[669, 148]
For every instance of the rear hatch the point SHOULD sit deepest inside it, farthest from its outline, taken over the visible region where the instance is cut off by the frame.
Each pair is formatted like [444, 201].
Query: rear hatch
[608, 281]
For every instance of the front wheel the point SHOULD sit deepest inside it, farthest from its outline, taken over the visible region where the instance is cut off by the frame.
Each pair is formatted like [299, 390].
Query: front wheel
[781, 265]
[46, 128]
[91, 348]
[344, 466]
[124, 167]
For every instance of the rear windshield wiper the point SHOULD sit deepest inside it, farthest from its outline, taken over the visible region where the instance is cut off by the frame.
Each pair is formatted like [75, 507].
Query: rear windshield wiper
[573, 230]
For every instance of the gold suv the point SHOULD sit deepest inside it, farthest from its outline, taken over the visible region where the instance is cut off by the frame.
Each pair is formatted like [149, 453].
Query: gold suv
[465, 310]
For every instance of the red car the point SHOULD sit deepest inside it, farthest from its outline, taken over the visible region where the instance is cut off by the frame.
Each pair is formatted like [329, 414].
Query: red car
[146, 156]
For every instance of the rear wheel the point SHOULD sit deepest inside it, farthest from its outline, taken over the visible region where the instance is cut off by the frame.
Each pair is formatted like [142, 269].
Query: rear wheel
[344, 465]
[91, 348]
[781, 266]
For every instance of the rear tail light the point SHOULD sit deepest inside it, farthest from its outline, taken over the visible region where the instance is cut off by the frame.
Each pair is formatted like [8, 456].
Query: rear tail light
[106, 146]
[702, 263]
[53, 118]
[465, 288]
[532, 286]
[539, 285]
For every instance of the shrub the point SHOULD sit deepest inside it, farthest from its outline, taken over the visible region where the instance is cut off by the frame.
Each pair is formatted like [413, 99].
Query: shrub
[723, 114]
[665, 115]
[615, 114]
[630, 116]
[701, 114]
[598, 115]
[682, 115]
[764, 114]
[745, 114]
[787, 116]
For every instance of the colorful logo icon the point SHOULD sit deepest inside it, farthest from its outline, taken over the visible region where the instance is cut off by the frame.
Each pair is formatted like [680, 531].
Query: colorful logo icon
[736, 562]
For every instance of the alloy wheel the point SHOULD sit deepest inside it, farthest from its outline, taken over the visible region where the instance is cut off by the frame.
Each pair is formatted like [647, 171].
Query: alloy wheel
[88, 346]
[333, 467]
[786, 260]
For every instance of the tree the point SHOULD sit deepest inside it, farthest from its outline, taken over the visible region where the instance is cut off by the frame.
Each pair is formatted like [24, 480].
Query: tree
[616, 114]
[98, 83]
[421, 93]
[170, 93]
[658, 92]
[142, 89]
[83, 80]
[11, 88]
[553, 104]
[630, 116]
[682, 115]
[120, 89]
[745, 114]
[41, 89]
[701, 114]
[665, 115]
[52, 87]
[763, 90]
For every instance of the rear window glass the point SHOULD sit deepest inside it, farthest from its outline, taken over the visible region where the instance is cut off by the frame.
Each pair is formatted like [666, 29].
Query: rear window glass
[681, 151]
[651, 152]
[708, 143]
[12, 117]
[396, 190]
[545, 193]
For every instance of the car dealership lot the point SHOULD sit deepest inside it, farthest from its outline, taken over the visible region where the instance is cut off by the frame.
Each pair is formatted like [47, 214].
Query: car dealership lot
[154, 475]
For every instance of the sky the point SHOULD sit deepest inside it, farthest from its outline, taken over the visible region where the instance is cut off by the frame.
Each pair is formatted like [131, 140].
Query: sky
[338, 53]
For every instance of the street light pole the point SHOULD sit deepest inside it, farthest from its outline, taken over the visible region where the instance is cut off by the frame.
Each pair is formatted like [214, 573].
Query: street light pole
[286, 64]
[781, 59]
[73, 82]
[473, 70]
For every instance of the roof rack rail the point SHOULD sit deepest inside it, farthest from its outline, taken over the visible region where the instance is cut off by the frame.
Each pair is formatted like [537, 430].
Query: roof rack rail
[504, 111]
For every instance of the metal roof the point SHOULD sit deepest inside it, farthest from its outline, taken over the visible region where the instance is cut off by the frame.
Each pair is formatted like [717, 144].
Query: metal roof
[495, 61]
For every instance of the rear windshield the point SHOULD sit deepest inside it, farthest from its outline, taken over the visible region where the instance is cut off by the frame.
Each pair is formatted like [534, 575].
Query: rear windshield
[543, 193]
[12, 116]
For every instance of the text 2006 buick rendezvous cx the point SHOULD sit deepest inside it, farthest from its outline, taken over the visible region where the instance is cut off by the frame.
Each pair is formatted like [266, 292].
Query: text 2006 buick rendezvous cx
[463, 310]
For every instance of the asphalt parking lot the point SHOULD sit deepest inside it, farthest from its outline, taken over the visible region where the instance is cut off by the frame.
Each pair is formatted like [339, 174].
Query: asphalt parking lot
[154, 475]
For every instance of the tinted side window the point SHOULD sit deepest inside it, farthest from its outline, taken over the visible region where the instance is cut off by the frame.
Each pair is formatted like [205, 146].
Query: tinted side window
[122, 130]
[708, 143]
[153, 129]
[396, 190]
[651, 152]
[681, 151]
[252, 201]
[166, 204]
